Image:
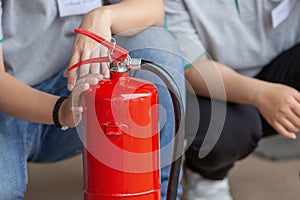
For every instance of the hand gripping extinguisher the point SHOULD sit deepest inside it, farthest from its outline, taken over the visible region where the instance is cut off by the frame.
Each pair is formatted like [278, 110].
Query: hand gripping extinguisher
[120, 131]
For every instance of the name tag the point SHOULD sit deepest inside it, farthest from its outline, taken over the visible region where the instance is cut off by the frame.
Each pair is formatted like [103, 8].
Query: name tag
[281, 12]
[77, 7]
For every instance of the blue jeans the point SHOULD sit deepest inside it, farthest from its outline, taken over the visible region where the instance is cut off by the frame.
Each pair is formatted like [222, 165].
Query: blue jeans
[22, 142]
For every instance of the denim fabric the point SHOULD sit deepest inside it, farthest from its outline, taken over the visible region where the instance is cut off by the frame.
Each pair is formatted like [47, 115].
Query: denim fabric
[22, 141]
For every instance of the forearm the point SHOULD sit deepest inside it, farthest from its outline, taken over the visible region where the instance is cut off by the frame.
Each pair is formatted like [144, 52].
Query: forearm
[279, 104]
[124, 17]
[132, 14]
[24, 102]
[212, 79]
[240, 88]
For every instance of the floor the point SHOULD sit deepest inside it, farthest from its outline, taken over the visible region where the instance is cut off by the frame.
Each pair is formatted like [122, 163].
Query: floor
[254, 178]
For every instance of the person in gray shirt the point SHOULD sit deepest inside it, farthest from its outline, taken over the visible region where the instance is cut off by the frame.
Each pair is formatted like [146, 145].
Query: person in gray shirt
[242, 69]
[38, 44]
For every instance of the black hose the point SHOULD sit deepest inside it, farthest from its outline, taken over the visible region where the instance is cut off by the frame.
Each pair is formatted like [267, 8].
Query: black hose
[179, 125]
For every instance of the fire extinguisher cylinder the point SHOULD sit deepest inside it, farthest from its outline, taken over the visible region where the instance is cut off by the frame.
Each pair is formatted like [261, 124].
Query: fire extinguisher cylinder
[120, 113]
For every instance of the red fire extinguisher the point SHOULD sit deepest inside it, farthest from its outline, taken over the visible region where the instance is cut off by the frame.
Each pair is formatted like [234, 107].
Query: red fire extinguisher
[120, 132]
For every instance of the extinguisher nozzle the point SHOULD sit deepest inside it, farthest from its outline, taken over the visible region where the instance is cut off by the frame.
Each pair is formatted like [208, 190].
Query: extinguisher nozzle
[135, 63]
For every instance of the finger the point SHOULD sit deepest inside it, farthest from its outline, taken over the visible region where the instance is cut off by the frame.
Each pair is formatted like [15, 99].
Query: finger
[296, 107]
[78, 109]
[288, 115]
[95, 67]
[91, 79]
[294, 119]
[288, 125]
[72, 75]
[77, 114]
[297, 97]
[281, 130]
[76, 93]
[84, 69]
[84, 83]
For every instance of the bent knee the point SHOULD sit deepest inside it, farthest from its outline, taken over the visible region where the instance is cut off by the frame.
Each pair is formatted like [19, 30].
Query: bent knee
[229, 148]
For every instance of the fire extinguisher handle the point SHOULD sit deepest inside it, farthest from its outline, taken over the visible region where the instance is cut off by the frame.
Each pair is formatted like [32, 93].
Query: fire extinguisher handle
[117, 52]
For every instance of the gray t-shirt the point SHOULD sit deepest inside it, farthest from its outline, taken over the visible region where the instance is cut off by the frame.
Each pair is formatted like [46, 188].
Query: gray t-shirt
[37, 42]
[237, 33]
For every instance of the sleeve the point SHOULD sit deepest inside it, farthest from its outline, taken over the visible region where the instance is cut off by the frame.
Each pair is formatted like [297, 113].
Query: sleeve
[179, 23]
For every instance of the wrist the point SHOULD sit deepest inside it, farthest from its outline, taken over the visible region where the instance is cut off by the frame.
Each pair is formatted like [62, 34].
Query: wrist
[57, 113]
[98, 20]
[259, 93]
